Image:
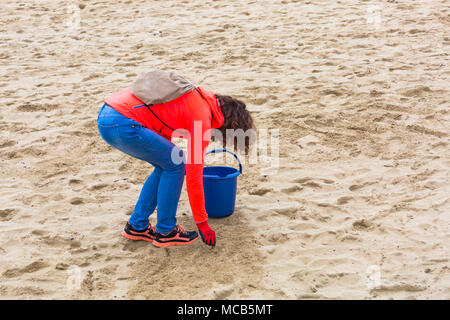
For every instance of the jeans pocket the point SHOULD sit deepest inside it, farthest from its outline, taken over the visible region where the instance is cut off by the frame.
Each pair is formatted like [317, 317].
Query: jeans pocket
[110, 121]
[104, 124]
[129, 132]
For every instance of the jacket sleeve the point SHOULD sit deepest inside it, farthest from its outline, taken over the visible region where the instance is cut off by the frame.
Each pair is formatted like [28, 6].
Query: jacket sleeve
[197, 144]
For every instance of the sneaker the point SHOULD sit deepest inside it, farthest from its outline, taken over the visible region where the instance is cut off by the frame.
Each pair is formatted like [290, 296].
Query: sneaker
[175, 237]
[147, 235]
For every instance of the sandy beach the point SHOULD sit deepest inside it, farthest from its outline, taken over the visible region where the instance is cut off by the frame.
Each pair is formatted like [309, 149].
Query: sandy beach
[357, 208]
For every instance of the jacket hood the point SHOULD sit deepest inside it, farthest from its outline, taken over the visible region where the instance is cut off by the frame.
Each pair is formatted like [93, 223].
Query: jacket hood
[217, 116]
[160, 86]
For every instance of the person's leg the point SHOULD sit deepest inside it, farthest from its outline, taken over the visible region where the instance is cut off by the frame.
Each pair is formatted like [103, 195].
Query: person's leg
[133, 139]
[146, 203]
[108, 123]
[169, 191]
[147, 145]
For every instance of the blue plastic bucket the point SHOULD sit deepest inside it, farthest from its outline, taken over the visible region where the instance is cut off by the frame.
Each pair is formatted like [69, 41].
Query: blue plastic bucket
[219, 185]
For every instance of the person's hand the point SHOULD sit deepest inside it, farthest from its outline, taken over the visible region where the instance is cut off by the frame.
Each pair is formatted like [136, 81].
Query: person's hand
[208, 235]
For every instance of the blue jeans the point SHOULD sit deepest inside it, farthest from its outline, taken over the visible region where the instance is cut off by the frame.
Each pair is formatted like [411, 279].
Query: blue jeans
[163, 186]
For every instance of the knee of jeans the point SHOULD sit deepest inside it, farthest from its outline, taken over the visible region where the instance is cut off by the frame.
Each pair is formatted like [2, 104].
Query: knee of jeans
[176, 167]
[178, 162]
[157, 168]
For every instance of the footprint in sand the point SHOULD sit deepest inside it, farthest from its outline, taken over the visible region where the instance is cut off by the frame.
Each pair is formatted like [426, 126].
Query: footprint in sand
[278, 238]
[97, 186]
[259, 191]
[344, 200]
[62, 266]
[39, 232]
[303, 226]
[302, 180]
[37, 107]
[292, 189]
[92, 76]
[416, 91]
[133, 246]
[7, 214]
[312, 184]
[222, 293]
[440, 146]
[355, 187]
[75, 181]
[8, 144]
[76, 201]
[55, 241]
[289, 212]
[32, 267]
[362, 224]
[401, 287]
[307, 182]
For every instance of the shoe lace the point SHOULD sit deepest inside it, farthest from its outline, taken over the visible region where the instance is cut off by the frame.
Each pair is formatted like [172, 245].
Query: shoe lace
[180, 229]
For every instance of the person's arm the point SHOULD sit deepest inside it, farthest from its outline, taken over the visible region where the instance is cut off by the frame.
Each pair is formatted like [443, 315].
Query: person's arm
[194, 183]
[197, 145]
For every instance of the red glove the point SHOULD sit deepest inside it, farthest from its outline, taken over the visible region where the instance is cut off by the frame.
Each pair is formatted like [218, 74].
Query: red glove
[208, 235]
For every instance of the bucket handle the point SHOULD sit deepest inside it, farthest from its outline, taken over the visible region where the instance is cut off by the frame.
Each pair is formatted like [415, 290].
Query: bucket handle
[225, 150]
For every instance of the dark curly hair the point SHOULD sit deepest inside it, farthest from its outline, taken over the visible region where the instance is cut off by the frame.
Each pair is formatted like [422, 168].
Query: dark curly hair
[239, 120]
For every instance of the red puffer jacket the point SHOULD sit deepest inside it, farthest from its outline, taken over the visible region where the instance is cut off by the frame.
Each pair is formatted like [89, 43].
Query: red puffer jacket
[195, 111]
